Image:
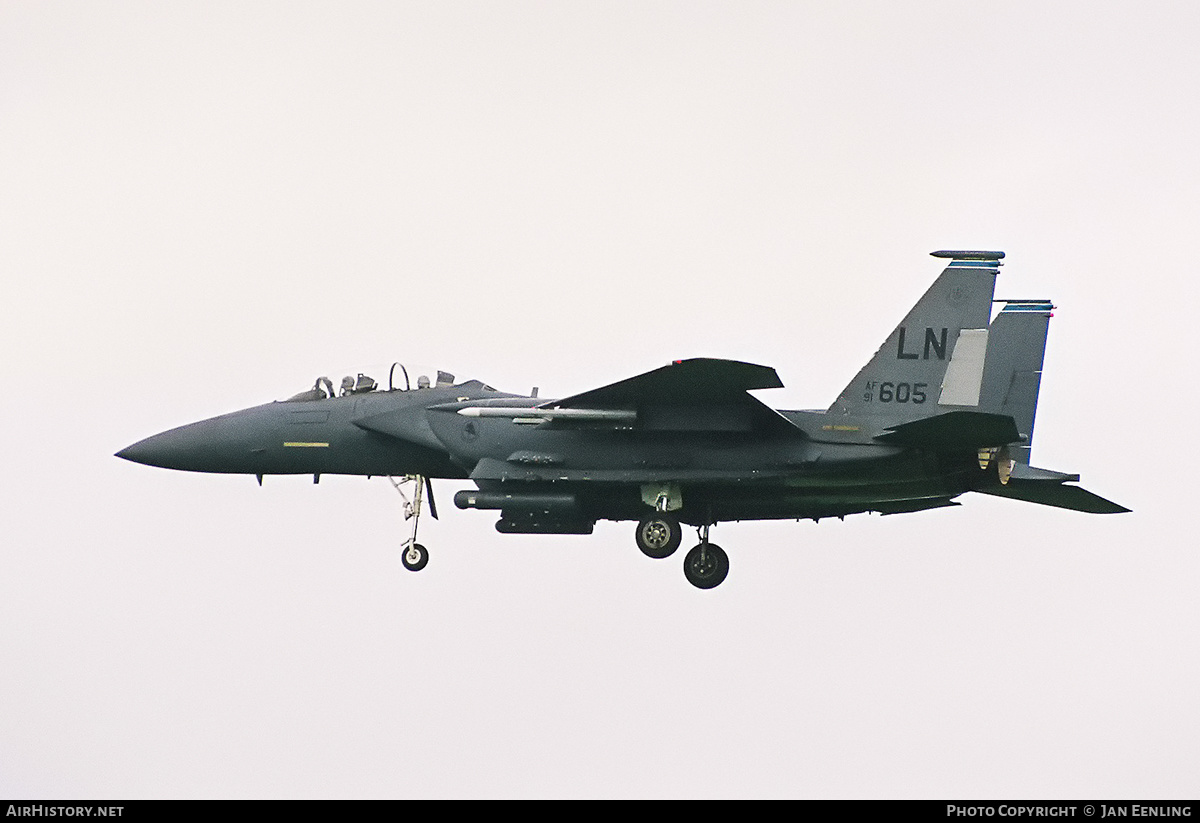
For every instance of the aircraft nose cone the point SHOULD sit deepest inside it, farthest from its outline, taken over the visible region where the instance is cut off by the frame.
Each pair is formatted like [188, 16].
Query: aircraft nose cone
[132, 453]
[231, 443]
[216, 445]
[162, 450]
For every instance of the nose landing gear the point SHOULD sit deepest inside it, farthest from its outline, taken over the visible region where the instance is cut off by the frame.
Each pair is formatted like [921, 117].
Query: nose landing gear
[413, 555]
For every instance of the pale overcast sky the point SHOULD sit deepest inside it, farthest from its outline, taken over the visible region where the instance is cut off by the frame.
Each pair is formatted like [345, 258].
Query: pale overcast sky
[203, 206]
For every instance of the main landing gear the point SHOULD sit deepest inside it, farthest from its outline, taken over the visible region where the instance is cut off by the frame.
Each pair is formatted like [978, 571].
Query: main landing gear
[706, 565]
[413, 555]
[659, 534]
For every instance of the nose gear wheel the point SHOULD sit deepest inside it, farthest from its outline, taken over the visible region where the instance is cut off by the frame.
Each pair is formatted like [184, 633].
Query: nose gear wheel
[414, 557]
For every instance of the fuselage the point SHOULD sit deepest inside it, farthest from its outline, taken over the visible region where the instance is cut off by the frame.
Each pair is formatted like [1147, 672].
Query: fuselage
[587, 471]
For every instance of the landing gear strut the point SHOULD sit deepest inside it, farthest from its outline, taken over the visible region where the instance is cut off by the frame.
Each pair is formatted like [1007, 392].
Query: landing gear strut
[706, 565]
[413, 555]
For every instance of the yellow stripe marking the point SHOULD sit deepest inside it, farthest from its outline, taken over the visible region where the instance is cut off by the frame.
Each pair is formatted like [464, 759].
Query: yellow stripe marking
[307, 445]
[840, 428]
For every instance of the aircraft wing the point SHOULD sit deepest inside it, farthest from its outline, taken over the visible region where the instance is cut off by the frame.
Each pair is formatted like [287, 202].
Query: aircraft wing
[700, 394]
[700, 380]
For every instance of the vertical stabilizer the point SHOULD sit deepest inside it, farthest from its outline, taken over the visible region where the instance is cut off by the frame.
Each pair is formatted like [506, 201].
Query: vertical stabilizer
[1013, 372]
[948, 327]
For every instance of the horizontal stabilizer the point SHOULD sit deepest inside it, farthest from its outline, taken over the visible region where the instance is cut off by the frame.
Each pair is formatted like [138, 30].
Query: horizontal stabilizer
[1060, 495]
[954, 431]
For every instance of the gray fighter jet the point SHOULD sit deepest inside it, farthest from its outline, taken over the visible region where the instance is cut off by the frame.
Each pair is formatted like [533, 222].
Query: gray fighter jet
[946, 406]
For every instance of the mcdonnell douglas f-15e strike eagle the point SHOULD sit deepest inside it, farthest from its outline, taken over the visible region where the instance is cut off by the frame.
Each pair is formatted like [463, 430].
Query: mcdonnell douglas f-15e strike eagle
[946, 406]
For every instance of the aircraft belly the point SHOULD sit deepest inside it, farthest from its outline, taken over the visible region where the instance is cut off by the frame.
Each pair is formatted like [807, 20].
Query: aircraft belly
[888, 485]
[814, 500]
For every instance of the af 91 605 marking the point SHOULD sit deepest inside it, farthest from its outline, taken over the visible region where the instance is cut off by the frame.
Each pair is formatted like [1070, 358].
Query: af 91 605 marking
[895, 392]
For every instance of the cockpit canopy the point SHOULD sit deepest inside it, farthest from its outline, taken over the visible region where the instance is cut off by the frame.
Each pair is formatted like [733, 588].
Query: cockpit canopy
[395, 377]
